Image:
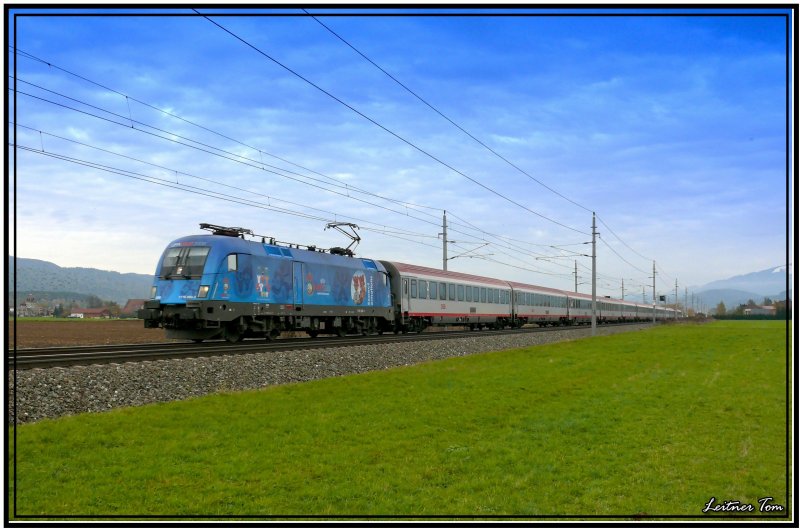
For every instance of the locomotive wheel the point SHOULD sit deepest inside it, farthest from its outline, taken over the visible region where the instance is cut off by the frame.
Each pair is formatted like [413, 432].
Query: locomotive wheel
[341, 332]
[313, 334]
[233, 334]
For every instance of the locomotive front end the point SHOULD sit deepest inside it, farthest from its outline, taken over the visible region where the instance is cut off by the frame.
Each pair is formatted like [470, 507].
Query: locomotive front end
[177, 291]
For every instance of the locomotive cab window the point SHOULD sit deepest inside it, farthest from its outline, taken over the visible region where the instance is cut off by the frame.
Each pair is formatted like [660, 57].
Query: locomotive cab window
[233, 262]
[185, 262]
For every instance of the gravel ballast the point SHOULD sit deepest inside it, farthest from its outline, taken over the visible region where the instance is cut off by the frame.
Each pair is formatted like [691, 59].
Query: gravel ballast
[55, 392]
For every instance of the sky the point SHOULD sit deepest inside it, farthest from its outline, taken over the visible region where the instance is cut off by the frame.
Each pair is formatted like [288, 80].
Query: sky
[670, 125]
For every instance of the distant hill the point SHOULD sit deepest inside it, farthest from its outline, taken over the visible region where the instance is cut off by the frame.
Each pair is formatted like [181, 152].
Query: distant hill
[41, 277]
[769, 282]
[730, 297]
[738, 290]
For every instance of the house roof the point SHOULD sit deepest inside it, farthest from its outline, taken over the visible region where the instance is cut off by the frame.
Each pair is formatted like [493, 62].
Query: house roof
[91, 312]
[132, 306]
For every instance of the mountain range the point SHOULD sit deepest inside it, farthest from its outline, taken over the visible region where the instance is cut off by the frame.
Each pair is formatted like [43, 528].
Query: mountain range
[738, 290]
[35, 276]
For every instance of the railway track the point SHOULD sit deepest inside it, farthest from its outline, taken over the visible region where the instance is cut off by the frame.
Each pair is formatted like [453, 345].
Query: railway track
[101, 354]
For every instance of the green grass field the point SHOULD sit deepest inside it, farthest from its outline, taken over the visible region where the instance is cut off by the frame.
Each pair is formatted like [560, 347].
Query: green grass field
[645, 423]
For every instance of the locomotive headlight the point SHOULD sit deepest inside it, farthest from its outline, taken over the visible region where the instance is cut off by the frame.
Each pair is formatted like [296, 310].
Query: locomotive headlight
[203, 292]
[153, 292]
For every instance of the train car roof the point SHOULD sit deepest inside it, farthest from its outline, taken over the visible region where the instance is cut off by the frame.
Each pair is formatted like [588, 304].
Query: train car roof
[548, 290]
[405, 268]
[581, 295]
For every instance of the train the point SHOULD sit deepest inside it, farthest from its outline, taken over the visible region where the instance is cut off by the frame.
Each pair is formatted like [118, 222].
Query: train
[224, 285]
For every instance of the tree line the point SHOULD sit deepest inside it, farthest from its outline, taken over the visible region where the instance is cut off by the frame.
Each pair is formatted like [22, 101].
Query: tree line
[783, 310]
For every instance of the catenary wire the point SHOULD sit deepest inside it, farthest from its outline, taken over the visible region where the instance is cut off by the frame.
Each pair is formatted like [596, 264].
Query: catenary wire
[227, 154]
[459, 127]
[260, 151]
[217, 133]
[374, 122]
[127, 97]
[229, 198]
[255, 164]
[192, 189]
[216, 182]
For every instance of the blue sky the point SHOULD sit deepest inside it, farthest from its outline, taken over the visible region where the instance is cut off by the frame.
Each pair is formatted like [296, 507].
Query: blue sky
[671, 128]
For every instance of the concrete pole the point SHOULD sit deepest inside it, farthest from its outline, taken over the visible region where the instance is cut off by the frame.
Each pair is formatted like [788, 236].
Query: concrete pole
[576, 276]
[594, 276]
[444, 240]
[654, 291]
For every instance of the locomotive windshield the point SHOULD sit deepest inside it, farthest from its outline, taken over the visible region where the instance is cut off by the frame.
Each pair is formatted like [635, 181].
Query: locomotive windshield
[185, 262]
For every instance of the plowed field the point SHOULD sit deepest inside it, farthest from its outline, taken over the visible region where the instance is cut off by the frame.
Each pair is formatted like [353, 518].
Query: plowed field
[38, 333]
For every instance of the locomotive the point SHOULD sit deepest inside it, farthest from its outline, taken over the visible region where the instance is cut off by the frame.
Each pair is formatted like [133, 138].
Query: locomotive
[222, 285]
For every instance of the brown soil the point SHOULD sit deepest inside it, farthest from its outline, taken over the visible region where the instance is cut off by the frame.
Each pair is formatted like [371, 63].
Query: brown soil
[81, 332]
[37, 333]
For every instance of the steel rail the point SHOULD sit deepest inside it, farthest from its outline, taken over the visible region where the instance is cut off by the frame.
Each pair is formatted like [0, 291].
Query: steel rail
[100, 354]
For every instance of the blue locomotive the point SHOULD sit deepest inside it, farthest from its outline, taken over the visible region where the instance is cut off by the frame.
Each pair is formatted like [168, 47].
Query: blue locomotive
[222, 285]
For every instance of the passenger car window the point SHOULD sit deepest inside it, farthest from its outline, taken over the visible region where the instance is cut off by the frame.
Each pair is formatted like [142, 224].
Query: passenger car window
[432, 289]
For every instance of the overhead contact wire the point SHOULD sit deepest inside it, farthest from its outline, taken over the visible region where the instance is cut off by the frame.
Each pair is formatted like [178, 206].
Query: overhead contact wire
[382, 127]
[459, 127]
